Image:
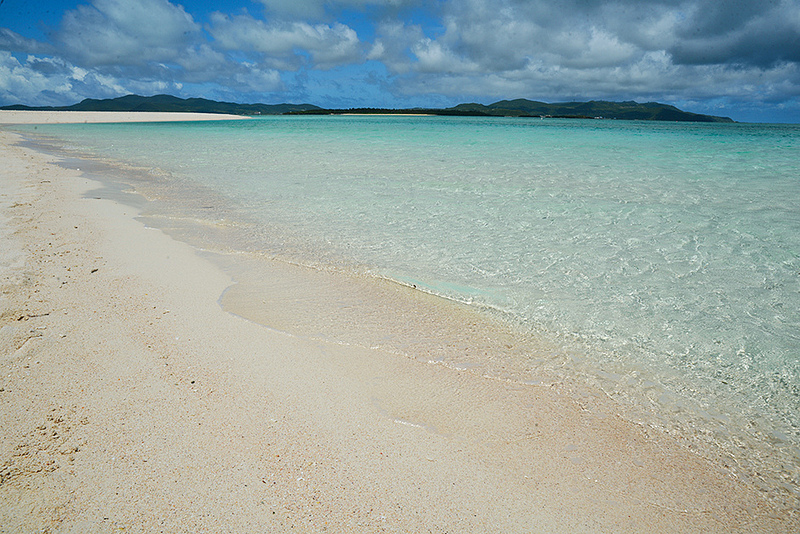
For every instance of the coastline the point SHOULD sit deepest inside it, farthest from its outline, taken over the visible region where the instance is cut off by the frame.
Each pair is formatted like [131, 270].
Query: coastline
[77, 117]
[130, 398]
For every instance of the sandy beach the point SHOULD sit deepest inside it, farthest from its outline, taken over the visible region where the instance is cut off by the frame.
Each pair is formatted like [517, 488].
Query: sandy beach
[76, 117]
[131, 400]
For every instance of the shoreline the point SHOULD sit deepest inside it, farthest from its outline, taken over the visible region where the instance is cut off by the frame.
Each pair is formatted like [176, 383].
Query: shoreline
[77, 117]
[379, 441]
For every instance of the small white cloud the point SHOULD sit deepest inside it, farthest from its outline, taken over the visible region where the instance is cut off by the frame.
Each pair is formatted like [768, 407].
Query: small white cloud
[377, 52]
[328, 46]
[338, 45]
[393, 45]
[78, 73]
[597, 48]
[257, 80]
[432, 56]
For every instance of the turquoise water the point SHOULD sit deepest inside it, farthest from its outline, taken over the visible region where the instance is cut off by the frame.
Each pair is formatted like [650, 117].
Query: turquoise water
[663, 258]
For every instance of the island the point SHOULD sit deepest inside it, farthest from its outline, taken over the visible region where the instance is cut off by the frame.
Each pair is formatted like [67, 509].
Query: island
[594, 109]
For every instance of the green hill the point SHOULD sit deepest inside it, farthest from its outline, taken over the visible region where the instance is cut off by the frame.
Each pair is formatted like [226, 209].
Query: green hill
[164, 103]
[594, 109]
[650, 111]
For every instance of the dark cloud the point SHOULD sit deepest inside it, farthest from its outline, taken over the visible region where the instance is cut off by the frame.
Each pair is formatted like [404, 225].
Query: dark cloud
[501, 34]
[649, 50]
[714, 18]
[762, 36]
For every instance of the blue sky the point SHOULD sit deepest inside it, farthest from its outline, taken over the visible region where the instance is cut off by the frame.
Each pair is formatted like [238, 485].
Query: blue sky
[738, 58]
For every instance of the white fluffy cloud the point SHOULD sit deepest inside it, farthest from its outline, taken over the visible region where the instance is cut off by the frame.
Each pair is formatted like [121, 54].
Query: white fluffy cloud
[52, 81]
[23, 79]
[288, 43]
[122, 32]
[113, 47]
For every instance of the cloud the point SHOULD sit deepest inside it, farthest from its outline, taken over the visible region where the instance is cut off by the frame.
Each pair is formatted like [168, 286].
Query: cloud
[596, 49]
[446, 50]
[697, 32]
[13, 42]
[122, 33]
[115, 47]
[761, 34]
[288, 43]
[52, 81]
[393, 43]
[21, 80]
[435, 57]
[317, 9]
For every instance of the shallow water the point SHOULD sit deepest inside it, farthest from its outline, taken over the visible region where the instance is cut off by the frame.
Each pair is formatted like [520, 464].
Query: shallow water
[661, 260]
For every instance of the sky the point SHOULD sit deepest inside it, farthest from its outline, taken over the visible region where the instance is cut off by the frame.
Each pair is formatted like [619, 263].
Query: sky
[735, 58]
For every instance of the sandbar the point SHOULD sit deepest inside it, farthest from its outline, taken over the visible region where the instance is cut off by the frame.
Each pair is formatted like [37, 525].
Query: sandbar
[77, 117]
[131, 400]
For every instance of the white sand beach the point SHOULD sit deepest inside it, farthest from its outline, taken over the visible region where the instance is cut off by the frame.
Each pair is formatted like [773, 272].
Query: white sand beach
[76, 117]
[130, 400]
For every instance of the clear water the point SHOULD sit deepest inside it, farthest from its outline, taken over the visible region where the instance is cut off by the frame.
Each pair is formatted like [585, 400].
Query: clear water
[663, 258]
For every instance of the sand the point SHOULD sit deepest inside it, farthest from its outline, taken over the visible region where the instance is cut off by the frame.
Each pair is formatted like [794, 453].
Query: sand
[72, 117]
[130, 400]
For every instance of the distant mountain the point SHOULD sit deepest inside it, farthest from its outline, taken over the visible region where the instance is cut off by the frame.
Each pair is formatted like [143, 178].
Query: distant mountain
[651, 111]
[165, 103]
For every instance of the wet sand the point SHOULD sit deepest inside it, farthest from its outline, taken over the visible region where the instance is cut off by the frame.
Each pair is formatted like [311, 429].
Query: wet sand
[130, 399]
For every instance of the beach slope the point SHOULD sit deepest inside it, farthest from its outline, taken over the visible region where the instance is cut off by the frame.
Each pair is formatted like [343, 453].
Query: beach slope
[130, 400]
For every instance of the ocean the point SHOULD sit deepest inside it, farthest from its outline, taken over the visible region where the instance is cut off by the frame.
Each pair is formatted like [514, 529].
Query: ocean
[659, 262]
